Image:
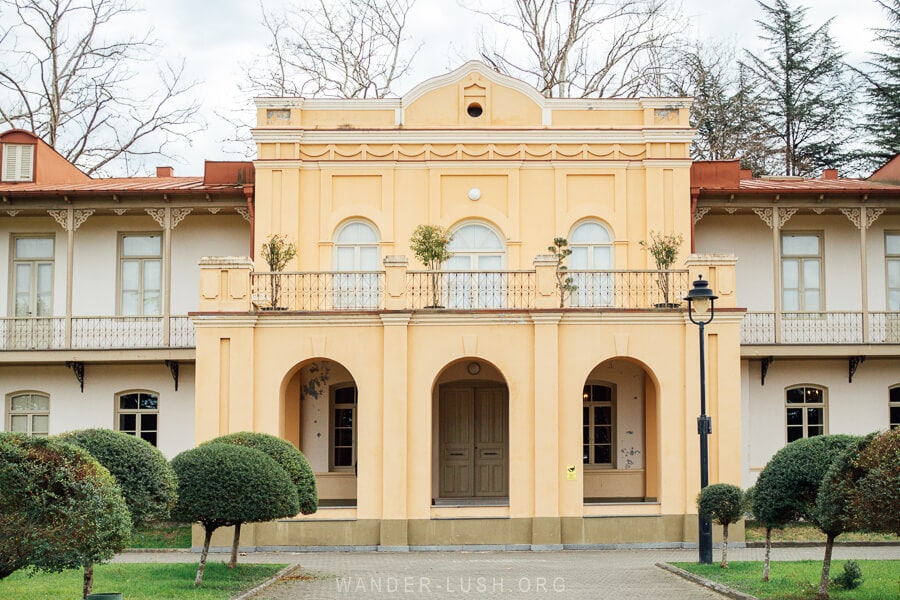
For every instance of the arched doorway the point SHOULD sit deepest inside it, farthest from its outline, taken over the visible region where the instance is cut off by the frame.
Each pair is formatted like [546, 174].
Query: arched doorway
[471, 433]
[322, 419]
[619, 433]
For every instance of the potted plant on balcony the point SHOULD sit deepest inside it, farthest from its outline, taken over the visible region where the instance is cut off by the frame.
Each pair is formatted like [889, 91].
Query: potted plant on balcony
[664, 250]
[564, 283]
[277, 251]
[430, 244]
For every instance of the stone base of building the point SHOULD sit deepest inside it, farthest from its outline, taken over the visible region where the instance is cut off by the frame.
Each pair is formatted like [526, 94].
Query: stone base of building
[538, 533]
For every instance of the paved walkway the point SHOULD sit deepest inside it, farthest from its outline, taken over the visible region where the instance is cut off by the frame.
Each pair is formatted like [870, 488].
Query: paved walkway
[613, 574]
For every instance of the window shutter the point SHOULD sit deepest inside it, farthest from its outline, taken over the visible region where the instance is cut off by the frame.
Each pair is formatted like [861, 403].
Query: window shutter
[18, 162]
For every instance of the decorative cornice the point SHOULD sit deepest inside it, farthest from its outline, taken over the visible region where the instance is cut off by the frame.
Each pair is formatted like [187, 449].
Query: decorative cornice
[731, 210]
[818, 211]
[12, 213]
[120, 211]
[213, 210]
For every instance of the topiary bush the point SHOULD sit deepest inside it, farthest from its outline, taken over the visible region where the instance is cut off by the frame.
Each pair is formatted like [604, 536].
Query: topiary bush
[722, 503]
[142, 472]
[875, 503]
[289, 458]
[59, 508]
[221, 485]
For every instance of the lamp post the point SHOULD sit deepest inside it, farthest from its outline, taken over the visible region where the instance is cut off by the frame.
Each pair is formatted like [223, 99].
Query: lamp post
[701, 301]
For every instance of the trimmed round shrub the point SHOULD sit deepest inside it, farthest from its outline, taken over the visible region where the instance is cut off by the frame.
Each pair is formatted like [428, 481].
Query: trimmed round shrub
[226, 484]
[287, 456]
[59, 508]
[142, 472]
[721, 503]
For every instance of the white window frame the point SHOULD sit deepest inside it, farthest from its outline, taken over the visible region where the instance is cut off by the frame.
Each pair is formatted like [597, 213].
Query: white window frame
[804, 407]
[890, 259]
[587, 402]
[332, 427]
[142, 259]
[30, 414]
[356, 288]
[894, 407]
[138, 412]
[18, 163]
[594, 285]
[475, 253]
[801, 260]
[35, 263]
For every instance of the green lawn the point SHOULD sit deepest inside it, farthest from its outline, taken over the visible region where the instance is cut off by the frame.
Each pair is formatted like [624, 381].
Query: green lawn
[807, 532]
[140, 581]
[162, 535]
[799, 580]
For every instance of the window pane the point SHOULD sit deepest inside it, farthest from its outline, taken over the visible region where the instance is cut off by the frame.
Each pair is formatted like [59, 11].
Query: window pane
[794, 416]
[603, 455]
[578, 261]
[128, 423]
[585, 435]
[345, 258]
[815, 430]
[895, 416]
[130, 304]
[34, 248]
[343, 457]
[149, 402]
[149, 436]
[131, 274]
[343, 437]
[585, 416]
[813, 395]
[368, 258]
[152, 277]
[151, 304]
[800, 245]
[894, 394]
[345, 395]
[343, 417]
[490, 262]
[587, 454]
[794, 396]
[141, 245]
[589, 233]
[811, 300]
[356, 233]
[18, 423]
[40, 425]
[794, 433]
[601, 435]
[40, 402]
[892, 243]
[810, 274]
[602, 258]
[148, 422]
[790, 273]
[128, 402]
[814, 416]
[602, 415]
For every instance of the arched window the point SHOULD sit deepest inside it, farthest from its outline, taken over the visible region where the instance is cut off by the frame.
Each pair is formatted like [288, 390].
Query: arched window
[591, 261]
[356, 250]
[479, 254]
[476, 247]
[28, 413]
[805, 407]
[894, 407]
[137, 413]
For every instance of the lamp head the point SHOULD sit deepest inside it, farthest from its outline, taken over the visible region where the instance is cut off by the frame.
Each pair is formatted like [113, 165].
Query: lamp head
[700, 298]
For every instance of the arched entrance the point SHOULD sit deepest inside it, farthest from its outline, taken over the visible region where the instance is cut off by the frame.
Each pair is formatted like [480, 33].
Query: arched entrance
[471, 433]
[322, 419]
[619, 433]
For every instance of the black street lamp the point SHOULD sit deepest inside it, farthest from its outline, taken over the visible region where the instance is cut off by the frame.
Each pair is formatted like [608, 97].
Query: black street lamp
[701, 301]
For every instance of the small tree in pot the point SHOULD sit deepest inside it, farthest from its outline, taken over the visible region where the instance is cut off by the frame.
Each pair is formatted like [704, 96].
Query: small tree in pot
[664, 250]
[430, 244]
[564, 282]
[277, 251]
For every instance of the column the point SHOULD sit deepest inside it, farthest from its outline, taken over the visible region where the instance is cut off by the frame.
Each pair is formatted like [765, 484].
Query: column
[395, 456]
[546, 533]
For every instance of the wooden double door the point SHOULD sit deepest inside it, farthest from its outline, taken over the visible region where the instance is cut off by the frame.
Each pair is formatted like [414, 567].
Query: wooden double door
[474, 441]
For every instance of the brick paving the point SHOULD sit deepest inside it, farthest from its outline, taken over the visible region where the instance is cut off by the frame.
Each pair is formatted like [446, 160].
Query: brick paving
[595, 574]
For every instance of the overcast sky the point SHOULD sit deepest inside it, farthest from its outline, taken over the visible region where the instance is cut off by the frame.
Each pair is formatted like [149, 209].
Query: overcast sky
[216, 38]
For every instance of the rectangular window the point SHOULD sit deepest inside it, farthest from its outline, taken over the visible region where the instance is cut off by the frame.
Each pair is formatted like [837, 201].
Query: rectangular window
[29, 414]
[894, 407]
[892, 259]
[343, 429]
[138, 414]
[801, 272]
[140, 274]
[805, 412]
[598, 429]
[18, 162]
[32, 273]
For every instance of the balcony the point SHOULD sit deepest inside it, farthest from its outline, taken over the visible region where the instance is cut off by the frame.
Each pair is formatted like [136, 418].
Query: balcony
[463, 290]
[95, 333]
[761, 328]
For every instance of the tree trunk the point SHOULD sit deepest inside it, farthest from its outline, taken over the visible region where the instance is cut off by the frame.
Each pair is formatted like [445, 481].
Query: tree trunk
[234, 546]
[198, 581]
[826, 568]
[768, 552]
[88, 586]
[724, 563]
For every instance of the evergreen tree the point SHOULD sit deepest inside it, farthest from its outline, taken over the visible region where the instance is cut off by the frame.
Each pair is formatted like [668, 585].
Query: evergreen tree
[883, 87]
[806, 92]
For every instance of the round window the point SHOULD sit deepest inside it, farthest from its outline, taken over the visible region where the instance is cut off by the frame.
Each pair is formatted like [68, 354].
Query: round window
[474, 110]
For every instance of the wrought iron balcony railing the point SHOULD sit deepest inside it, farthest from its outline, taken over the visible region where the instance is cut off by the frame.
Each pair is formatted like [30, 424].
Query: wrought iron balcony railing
[821, 328]
[473, 290]
[95, 333]
[318, 291]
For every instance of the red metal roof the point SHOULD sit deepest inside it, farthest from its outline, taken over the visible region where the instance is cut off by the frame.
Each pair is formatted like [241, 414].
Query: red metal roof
[788, 184]
[115, 185]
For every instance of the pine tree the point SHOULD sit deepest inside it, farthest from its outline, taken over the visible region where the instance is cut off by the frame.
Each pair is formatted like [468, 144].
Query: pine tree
[806, 91]
[883, 87]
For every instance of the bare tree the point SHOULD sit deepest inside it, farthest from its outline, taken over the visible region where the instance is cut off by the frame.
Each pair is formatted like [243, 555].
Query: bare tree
[350, 49]
[67, 75]
[582, 48]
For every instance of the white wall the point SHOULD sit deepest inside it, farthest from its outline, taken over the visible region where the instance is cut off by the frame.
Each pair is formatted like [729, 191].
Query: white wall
[747, 237]
[71, 409]
[854, 408]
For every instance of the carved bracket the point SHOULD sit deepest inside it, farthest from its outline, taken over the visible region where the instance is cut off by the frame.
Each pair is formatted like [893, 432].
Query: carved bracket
[852, 214]
[784, 215]
[854, 364]
[173, 368]
[701, 212]
[178, 215]
[765, 214]
[158, 214]
[78, 369]
[243, 212]
[872, 215]
[764, 368]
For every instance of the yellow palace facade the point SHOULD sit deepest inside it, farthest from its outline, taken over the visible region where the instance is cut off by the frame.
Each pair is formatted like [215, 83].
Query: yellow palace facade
[466, 406]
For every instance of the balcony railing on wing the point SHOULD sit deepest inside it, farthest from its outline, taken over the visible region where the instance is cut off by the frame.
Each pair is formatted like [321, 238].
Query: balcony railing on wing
[822, 328]
[470, 290]
[628, 289]
[318, 291]
[884, 327]
[758, 328]
[95, 333]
